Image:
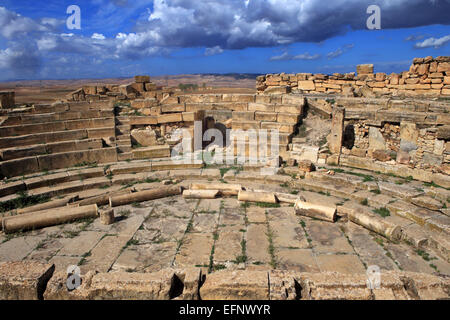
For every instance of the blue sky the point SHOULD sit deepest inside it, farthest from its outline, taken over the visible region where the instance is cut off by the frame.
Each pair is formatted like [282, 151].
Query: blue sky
[120, 38]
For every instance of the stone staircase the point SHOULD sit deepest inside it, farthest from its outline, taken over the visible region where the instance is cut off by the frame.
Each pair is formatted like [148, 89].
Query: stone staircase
[123, 138]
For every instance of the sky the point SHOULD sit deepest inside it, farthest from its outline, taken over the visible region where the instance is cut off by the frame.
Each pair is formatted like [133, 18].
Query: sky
[121, 38]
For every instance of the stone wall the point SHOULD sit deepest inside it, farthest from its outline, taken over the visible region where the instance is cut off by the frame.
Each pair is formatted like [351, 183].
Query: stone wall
[7, 99]
[426, 77]
[410, 136]
[232, 111]
[141, 87]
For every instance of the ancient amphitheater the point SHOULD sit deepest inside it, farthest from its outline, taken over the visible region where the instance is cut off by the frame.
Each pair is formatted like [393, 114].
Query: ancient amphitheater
[96, 192]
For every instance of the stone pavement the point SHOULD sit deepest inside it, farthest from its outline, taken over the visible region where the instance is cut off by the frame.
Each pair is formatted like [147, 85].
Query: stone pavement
[214, 235]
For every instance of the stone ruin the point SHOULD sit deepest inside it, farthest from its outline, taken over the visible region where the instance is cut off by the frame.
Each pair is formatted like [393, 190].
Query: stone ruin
[7, 99]
[358, 187]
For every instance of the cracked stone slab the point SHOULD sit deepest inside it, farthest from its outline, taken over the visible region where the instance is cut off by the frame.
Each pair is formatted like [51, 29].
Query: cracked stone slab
[228, 246]
[81, 244]
[195, 250]
[301, 260]
[327, 238]
[370, 252]
[257, 243]
[146, 258]
[342, 263]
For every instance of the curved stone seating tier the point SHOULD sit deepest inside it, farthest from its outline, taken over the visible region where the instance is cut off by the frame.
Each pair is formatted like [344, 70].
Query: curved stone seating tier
[411, 204]
[48, 148]
[28, 165]
[57, 136]
[23, 119]
[6, 131]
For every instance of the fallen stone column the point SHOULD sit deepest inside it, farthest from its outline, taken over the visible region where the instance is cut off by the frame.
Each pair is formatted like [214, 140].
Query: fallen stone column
[286, 197]
[100, 200]
[224, 188]
[317, 211]
[200, 194]
[40, 207]
[144, 196]
[374, 223]
[49, 205]
[257, 197]
[46, 218]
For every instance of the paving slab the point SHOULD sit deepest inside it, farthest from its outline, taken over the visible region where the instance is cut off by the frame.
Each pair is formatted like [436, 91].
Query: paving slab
[204, 223]
[301, 260]
[342, 263]
[18, 248]
[228, 245]
[146, 258]
[408, 259]
[288, 234]
[161, 230]
[81, 244]
[195, 250]
[103, 255]
[327, 238]
[256, 215]
[257, 243]
[368, 250]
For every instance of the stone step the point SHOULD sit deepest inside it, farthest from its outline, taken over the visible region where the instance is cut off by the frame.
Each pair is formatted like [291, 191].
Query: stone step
[124, 148]
[125, 156]
[24, 118]
[54, 147]
[71, 187]
[20, 167]
[8, 131]
[151, 152]
[57, 136]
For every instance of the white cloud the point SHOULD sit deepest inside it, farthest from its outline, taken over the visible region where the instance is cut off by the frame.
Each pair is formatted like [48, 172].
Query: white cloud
[433, 42]
[98, 36]
[286, 57]
[213, 51]
[340, 51]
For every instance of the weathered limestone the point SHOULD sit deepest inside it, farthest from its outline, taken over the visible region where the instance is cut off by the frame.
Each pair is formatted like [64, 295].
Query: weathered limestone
[361, 216]
[163, 285]
[25, 280]
[41, 219]
[224, 188]
[242, 285]
[7, 99]
[144, 196]
[321, 212]
[337, 130]
[364, 69]
[200, 194]
[257, 197]
[107, 217]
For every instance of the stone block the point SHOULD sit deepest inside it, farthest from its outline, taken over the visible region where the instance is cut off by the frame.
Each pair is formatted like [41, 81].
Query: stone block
[25, 280]
[265, 116]
[169, 118]
[307, 85]
[364, 69]
[142, 79]
[260, 107]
